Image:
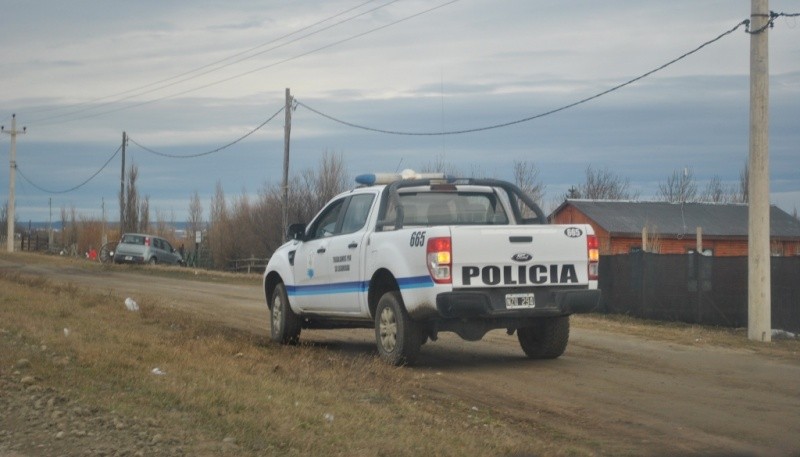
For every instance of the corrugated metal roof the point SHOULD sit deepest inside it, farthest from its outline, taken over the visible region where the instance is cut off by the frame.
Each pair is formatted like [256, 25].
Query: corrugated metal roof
[716, 219]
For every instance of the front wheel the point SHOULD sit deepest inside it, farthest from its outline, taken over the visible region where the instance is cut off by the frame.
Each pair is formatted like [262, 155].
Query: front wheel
[398, 337]
[285, 324]
[546, 339]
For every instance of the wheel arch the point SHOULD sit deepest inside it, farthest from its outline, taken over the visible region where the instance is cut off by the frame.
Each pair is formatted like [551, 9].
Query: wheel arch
[270, 281]
[382, 281]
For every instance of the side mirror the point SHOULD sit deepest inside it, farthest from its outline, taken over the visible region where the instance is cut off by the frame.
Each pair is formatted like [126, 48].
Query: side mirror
[296, 231]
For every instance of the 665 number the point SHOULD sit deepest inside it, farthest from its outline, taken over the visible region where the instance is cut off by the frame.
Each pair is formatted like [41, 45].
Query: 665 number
[417, 239]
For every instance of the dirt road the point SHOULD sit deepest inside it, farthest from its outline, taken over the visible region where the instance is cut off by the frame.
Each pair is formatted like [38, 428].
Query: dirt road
[622, 393]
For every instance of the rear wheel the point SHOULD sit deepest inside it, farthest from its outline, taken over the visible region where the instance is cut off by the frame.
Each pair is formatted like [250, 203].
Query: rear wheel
[398, 337]
[153, 261]
[547, 339]
[284, 323]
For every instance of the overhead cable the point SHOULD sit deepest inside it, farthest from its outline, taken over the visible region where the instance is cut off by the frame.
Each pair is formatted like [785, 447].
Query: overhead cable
[289, 59]
[49, 191]
[530, 118]
[200, 154]
[213, 66]
[770, 22]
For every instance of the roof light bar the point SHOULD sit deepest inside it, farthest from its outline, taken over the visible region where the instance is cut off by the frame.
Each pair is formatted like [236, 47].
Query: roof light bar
[388, 178]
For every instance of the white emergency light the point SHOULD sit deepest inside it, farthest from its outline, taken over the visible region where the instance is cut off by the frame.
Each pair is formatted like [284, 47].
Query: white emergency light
[388, 178]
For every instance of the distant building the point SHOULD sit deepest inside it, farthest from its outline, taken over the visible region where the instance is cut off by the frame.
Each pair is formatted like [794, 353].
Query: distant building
[676, 228]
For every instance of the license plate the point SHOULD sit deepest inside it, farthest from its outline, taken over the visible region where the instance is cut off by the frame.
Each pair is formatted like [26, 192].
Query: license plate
[515, 301]
[127, 257]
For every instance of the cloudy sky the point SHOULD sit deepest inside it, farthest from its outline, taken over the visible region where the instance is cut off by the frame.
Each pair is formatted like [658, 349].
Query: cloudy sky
[184, 78]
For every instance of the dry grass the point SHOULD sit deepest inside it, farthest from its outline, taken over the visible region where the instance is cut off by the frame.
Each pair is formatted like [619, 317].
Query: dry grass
[687, 334]
[222, 383]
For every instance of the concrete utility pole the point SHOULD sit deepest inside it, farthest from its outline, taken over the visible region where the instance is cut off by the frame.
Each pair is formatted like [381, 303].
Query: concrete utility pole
[759, 300]
[286, 135]
[122, 185]
[12, 175]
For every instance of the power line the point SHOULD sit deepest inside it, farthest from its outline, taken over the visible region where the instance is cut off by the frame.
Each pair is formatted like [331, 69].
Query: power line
[214, 66]
[191, 156]
[530, 118]
[189, 72]
[289, 59]
[770, 22]
[71, 188]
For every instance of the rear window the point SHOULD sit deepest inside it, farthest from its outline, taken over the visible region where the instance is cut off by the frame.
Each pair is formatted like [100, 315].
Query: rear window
[133, 239]
[451, 208]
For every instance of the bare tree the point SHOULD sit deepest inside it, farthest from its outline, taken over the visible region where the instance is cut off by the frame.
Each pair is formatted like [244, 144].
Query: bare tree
[165, 224]
[742, 196]
[195, 221]
[144, 214]
[526, 177]
[716, 192]
[603, 185]
[220, 234]
[331, 178]
[440, 165]
[573, 192]
[679, 187]
[130, 220]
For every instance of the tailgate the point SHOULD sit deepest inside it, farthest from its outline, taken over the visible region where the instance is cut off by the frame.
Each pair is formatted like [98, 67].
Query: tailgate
[520, 256]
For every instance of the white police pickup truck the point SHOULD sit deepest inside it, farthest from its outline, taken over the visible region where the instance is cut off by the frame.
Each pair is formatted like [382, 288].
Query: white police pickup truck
[412, 255]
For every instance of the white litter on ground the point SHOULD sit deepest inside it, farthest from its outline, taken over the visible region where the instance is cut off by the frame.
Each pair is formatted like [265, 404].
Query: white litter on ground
[131, 305]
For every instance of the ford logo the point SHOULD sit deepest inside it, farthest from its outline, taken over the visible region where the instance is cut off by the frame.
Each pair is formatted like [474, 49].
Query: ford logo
[521, 257]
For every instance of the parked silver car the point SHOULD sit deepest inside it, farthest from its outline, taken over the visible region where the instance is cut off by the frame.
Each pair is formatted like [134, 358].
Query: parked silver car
[143, 248]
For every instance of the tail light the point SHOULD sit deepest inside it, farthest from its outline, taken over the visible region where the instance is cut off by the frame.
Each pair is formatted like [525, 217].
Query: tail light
[593, 248]
[147, 241]
[439, 254]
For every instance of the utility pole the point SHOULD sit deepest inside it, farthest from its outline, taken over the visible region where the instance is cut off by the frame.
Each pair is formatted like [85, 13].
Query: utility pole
[50, 224]
[12, 175]
[103, 236]
[122, 185]
[286, 135]
[759, 300]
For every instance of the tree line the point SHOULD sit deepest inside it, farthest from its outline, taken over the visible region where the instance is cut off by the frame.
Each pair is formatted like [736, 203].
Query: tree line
[246, 225]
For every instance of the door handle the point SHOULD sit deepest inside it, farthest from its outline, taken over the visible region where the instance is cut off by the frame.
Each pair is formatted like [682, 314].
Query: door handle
[352, 245]
[321, 251]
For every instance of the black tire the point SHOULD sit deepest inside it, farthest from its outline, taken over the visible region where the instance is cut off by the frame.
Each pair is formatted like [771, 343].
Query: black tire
[153, 261]
[547, 339]
[398, 337]
[107, 252]
[284, 323]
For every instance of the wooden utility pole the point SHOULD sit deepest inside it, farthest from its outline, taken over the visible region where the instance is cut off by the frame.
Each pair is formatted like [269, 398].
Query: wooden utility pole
[286, 135]
[12, 175]
[122, 186]
[759, 300]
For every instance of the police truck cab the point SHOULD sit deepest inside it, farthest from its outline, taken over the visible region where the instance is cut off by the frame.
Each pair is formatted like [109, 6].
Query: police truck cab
[412, 255]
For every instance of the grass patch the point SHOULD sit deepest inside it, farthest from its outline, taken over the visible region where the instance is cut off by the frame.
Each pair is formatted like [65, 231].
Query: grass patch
[687, 334]
[221, 386]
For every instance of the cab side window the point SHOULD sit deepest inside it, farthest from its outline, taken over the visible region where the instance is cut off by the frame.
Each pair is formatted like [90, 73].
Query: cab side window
[326, 224]
[355, 217]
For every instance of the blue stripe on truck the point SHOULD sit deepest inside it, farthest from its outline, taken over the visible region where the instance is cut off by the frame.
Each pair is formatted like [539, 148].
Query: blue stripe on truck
[355, 286]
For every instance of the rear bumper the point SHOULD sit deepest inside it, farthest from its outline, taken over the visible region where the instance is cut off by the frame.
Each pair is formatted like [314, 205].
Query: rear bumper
[491, 303]
[123, 258]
